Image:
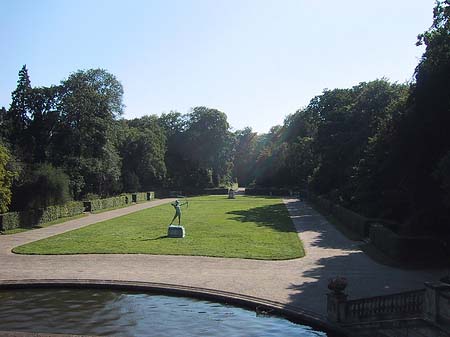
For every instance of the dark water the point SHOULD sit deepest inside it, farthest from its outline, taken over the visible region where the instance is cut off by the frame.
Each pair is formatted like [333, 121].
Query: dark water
[104, 312]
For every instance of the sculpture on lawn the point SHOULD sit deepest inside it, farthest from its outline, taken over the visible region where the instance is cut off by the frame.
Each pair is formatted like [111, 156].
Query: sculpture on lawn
[177, 205]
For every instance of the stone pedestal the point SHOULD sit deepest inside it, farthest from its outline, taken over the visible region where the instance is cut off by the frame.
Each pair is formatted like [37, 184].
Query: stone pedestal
[336, 306]
[176, 232]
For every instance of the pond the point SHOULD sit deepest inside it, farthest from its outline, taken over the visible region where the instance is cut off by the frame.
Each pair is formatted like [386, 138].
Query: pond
[111, 312]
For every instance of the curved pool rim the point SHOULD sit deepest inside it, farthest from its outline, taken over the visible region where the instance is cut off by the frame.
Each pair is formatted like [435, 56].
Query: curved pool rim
[292, 313]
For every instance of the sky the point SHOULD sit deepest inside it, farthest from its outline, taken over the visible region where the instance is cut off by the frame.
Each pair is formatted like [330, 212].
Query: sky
[255, 60]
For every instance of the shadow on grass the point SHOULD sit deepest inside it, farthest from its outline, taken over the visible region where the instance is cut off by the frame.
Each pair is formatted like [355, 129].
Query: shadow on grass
[273, 216]
[158, 238]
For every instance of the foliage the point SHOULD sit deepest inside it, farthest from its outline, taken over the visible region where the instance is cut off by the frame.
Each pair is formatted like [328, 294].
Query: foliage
[37, 217]
[143, 150]
[6, 179]
[89, 104]
[41, 187]
[98, 204]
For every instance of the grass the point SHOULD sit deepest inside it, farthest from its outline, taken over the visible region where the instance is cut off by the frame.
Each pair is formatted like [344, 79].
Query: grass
[47, 224]
[245, 227]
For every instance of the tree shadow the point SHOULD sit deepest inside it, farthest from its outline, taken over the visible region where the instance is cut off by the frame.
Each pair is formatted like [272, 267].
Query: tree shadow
[273, 216]
[330, 254]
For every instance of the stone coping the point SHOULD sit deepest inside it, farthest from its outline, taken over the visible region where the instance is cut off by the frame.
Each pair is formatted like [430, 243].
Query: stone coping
[259, 305]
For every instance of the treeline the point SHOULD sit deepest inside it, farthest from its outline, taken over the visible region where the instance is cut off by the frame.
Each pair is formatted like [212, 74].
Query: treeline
[379, 148]
[68, 141]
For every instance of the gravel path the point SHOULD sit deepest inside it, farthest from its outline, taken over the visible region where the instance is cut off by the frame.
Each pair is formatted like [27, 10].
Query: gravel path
[300, 282]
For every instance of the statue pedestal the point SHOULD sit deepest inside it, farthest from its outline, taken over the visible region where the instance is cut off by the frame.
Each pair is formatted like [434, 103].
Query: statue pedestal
[176, 232]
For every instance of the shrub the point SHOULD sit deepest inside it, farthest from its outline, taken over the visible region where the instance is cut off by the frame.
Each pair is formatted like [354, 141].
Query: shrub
[35, 217]
[6, 178]
[98, 204]
[43, 187]
[9, 220]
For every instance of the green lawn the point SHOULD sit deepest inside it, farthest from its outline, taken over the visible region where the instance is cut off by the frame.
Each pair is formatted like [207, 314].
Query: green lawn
[246, 227]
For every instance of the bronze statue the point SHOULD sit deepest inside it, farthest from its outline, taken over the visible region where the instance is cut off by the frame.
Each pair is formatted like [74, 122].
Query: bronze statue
[177, 205]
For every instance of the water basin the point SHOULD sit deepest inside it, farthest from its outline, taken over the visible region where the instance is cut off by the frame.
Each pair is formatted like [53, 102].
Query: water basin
[120, 313]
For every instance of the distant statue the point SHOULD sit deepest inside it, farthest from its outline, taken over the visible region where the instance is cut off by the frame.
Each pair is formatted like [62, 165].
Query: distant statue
[177, 205]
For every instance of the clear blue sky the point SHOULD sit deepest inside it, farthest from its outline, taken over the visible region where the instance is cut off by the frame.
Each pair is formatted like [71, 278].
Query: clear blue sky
[256, 60]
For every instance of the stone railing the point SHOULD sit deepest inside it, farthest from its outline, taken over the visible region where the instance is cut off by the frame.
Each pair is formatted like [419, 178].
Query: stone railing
[403, 305]
[431, 304]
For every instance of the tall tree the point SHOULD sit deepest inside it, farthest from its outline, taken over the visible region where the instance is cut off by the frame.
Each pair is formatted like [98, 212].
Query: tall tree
[90, 102]
[142, 150]
[19, 114]
[209, 142]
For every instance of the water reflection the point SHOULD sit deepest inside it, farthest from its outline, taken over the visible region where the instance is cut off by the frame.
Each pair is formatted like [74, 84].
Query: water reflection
[104, 312]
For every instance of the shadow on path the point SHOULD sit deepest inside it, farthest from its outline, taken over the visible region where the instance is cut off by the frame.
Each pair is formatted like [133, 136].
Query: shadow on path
[329, 254]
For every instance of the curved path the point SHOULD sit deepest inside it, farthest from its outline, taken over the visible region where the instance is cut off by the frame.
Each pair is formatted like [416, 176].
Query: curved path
[301, 282]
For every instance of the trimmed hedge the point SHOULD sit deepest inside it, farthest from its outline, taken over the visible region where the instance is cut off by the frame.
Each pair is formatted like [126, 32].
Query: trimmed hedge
[35, 217]
[98, 204]
[139, 196]
[9, 220]
[121, 200]
[357, 223]
[354, 221]
[405, 248]
[267, 191]
[52, 213]
[322, 204]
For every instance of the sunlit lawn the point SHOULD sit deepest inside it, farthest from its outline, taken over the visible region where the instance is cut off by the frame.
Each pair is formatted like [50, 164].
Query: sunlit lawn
[246, 227]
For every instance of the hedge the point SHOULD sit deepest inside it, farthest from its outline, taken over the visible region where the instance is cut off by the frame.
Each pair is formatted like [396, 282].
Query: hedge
[97, 204]
[9, 220]
[121, 200]
[405, 248]
[354, 221]
[52, 213]
[35, 217]
[322, 204]
[139, 196]
[267, 191]
[203, 191]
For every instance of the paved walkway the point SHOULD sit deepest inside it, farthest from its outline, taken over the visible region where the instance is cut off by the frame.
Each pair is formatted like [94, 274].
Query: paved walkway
[300, 282]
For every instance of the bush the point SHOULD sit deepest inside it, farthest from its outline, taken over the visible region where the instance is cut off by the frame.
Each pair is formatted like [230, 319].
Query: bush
[267, 191]
[42, 187]
[9, 220]
[138, 197]
[35, 217]
[98, 204]
[6, 179]
[405, 248]
[355, 222]
[52, 213]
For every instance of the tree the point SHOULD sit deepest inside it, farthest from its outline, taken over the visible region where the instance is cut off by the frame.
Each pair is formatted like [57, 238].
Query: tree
[18, 116]
[209, 143]
[245, 156]
[142, 151]
[6, 179]
[422, 139]
[90, 102]
[43, 122]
